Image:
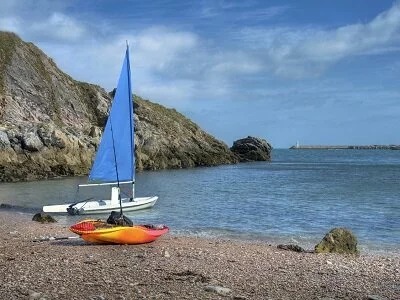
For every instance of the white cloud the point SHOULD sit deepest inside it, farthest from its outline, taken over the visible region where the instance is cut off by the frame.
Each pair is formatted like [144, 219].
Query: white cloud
[234, 64]
[41, 21]
[159, 47]
[303, 52]
[172, 93]
[152, 51]
[355, 39]
[58, 27]
[38, 19]
[239, 10]
[94, 61]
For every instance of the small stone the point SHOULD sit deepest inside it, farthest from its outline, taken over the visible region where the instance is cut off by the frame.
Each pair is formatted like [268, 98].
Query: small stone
[375, 297]
[220, 290]
[166, 254]
[97, 297]
[34, 295]
[291, 247]
[5, 205]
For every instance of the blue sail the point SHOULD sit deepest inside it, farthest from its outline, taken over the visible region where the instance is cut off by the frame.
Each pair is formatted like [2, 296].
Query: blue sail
[115, 158]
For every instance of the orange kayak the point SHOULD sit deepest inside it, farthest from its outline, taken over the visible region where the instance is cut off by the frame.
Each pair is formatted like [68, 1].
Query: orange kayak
[100, 232]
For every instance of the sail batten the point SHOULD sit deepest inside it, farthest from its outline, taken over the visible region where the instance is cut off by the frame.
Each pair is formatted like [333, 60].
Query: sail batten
[106, 183]
[116, 150]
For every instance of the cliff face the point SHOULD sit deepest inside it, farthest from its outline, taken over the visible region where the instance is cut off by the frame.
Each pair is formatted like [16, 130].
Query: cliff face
[50, 124]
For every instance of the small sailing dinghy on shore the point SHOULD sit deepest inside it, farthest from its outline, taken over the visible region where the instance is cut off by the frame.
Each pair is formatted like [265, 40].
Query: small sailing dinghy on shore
[114, 164]
[87, 207]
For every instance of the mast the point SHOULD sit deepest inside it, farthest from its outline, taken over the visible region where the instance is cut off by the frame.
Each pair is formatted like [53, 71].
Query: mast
[131, 129]
[131, 119]
[130, 101]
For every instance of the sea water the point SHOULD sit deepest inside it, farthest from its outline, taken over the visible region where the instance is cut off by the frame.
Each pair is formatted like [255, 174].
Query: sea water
[296, 198]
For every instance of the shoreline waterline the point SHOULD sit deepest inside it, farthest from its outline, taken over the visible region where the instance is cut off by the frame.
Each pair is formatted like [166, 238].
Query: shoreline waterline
[307, 243]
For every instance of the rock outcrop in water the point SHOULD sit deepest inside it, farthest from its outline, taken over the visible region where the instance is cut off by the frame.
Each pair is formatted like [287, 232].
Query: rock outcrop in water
[50, 124]
[252, 149]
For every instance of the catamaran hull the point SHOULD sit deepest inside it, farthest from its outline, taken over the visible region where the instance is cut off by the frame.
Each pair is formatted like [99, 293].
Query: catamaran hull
[92, 231]
[102, 206]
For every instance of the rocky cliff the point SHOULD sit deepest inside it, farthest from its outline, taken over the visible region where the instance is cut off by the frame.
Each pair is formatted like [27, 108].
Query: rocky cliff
[50, 124]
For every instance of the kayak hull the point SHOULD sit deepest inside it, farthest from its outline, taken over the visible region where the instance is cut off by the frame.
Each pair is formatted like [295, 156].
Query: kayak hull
[99, 232]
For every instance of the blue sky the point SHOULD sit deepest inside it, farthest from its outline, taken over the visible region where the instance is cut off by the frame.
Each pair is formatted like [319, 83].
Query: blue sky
[321, 72]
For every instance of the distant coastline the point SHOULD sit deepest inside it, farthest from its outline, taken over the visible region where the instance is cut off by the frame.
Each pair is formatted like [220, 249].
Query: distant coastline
[348, 147]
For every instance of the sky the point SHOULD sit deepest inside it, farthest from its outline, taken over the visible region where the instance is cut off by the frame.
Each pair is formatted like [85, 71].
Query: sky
[314, 71]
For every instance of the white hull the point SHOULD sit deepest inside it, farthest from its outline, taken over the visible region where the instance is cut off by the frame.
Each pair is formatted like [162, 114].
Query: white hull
[103, 206]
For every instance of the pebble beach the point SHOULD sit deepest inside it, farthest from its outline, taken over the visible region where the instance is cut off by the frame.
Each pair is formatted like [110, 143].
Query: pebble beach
[176, 267]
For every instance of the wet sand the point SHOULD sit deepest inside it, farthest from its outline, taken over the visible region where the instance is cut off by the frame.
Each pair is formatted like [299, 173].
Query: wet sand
[179, 268]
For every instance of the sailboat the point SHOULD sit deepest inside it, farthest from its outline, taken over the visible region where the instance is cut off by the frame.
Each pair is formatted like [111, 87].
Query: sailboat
[114, 164]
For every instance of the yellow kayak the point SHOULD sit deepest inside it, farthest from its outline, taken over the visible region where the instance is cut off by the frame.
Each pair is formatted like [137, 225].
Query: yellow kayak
[100, 232]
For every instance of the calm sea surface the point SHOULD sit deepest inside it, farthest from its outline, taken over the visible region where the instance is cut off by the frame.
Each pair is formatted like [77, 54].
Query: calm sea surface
[296, 198]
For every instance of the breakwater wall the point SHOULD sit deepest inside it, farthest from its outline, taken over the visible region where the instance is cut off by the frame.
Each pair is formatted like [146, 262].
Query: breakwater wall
[366, 147]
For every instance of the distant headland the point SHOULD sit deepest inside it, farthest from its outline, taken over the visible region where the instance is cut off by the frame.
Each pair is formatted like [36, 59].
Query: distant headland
[349, 147]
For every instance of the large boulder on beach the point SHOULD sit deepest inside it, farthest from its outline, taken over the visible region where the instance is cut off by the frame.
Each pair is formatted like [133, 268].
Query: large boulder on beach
[338, 240]
[252, 149]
